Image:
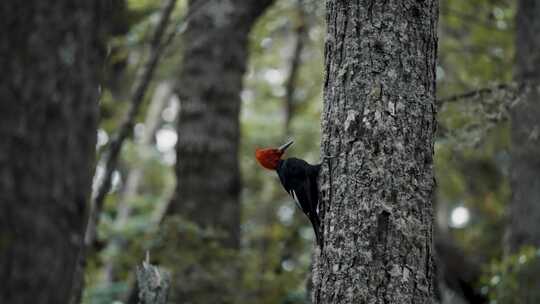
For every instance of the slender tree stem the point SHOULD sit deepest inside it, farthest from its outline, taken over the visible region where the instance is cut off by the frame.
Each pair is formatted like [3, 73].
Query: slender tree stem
[110, 159]
[292, 80]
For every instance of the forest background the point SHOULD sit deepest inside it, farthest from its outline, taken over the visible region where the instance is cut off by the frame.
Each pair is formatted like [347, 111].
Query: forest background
[281, 98]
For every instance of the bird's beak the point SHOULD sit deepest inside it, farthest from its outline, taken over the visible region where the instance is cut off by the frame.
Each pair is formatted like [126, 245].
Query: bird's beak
[285, 146]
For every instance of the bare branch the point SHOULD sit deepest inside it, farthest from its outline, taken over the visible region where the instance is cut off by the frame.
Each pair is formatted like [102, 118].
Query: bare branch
[139, 89]
[157, 46]
[181, 24]
[144, 76]
[475, 93]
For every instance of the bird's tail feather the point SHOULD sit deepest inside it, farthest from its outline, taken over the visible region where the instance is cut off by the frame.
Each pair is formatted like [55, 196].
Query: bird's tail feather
[316, 228]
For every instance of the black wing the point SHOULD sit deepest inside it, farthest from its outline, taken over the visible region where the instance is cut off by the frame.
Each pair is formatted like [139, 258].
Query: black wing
[293, 174]
[300, 180]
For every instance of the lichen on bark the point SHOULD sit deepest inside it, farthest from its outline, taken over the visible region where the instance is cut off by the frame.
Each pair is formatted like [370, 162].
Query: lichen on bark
[377, 178]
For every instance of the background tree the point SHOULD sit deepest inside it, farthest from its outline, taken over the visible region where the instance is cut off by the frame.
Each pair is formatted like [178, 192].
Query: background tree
[524, 208]
[524, 212]
[215, 52]
[53, 54]
[378, 126]
[476, 55]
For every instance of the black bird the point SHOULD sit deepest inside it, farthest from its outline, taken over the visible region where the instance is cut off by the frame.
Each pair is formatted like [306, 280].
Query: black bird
[299, 179]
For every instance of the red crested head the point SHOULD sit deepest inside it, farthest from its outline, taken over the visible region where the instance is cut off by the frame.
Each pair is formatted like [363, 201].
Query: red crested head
[270, 157]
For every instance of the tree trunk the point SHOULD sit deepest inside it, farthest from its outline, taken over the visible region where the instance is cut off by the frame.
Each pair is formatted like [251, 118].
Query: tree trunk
[209, 86]
[215, 53]
[524, 208]
[377, 178]
[301, 31]
[524, 211]
[50, 56]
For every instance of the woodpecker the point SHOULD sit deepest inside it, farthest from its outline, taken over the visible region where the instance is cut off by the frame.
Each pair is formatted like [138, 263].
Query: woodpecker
[299, 180]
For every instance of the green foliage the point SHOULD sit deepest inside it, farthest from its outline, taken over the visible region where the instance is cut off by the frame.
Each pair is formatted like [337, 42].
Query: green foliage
[514, 279]
[200, 263]
[105, 293]
[472, 147]
[476, 44]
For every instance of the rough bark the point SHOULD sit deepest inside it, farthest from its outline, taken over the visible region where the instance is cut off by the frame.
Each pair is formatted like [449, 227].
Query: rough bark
[209, 85]
[50, 58]
[153, 284]
[524, 208]
[377, 178]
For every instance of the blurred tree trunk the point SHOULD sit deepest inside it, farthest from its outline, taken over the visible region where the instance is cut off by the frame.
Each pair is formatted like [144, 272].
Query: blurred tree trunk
[377, 180]
[209, 85]
[524, 208]
[301, 31]
[215, 54]
[524, 214]
[50, 56]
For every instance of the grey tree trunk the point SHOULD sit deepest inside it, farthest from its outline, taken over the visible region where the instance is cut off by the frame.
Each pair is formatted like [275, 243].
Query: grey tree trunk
[524, 208]
[377, 179]
[50, 57]
[215, 53]
[209, 86]
[301, 38]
